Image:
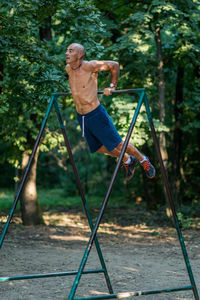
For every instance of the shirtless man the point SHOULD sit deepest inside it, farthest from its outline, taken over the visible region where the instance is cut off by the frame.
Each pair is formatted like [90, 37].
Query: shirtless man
[97, 126]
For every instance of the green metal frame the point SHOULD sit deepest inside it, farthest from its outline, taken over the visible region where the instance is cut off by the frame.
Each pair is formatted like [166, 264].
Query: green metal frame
[94, 228]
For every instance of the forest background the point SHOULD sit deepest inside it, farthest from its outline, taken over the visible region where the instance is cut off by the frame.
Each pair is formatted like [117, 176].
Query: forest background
[157, 44]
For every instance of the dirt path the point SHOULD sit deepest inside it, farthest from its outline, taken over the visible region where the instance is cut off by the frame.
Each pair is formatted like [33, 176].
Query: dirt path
[137, 258]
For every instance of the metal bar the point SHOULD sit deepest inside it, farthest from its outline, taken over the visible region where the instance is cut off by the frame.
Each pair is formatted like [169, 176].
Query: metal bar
[171, 201]
[126, 91]
[85, 205]
[136, 293]
[96, 226]
[26, 172]
[34, 276]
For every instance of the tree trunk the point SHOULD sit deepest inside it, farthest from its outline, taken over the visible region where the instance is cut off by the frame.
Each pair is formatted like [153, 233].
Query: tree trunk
[1, 75]
[161, 90]
[197, 74]
[45, 31]
[30, 209]
[198, 131]
[177, 134]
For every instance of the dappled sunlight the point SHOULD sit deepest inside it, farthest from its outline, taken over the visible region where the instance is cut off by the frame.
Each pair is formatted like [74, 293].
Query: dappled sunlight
[131, 269]
[63, 219]
[3, 219]
[71, 226]
[16, 220]
[68, 238]
[134, 232]
[97, 293]
[173, 272]
[74, 226]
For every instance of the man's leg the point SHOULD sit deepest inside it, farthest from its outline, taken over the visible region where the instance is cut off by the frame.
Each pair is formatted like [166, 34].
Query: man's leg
[130, 150]
[115, 152]
[129, 162]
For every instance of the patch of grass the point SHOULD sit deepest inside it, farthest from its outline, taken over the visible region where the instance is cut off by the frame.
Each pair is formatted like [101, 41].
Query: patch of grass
[6, 199]
[48, 199]
[55, 198]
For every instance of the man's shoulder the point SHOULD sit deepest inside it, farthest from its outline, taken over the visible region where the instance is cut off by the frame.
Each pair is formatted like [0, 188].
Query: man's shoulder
[89, 65]
[101, 65]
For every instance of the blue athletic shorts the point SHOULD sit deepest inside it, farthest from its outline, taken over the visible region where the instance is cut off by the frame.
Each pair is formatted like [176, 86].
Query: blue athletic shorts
[99, 130]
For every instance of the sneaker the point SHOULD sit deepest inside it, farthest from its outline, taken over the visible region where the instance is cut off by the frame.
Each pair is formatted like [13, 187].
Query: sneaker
[148, 168]
[130, 168]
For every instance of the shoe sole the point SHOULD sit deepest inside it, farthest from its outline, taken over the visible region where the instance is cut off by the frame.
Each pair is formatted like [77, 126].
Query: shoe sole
[151, 177]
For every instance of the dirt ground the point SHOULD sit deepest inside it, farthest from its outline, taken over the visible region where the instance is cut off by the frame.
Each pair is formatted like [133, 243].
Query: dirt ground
[138, 257]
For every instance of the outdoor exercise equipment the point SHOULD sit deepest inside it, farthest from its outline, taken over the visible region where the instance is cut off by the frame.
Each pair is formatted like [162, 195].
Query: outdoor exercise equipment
[94, 228]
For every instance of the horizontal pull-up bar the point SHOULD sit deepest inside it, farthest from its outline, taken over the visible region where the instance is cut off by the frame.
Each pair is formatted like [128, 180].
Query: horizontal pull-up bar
[127, 91]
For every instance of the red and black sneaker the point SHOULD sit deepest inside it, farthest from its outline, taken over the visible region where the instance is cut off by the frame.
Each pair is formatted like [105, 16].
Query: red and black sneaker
[148, 168]
[130, 168]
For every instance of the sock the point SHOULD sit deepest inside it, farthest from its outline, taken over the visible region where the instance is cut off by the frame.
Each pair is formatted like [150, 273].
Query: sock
[144, 158]
[128, 161]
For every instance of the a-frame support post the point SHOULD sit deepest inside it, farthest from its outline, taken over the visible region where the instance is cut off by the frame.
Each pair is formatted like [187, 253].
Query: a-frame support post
[171, 201]
[53, 101]
[142, 99]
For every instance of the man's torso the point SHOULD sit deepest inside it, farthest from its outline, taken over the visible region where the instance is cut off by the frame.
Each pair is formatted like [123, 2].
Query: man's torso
[83, 84]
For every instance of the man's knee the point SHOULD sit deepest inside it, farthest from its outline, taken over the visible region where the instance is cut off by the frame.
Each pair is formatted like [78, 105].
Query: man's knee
[102, 150]
[119, 146]
[129, 148]
[117, 149]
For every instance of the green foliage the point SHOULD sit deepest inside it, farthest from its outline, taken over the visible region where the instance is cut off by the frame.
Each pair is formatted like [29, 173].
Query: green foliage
[32, 68]
[132, 28]
[188, 222]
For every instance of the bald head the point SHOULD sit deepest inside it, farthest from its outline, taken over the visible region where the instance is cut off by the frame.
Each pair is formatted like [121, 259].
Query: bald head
[79, 47]
[74, 55]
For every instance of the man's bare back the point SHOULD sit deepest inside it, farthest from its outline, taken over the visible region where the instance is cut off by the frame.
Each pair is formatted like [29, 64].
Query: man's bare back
[83, 78]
